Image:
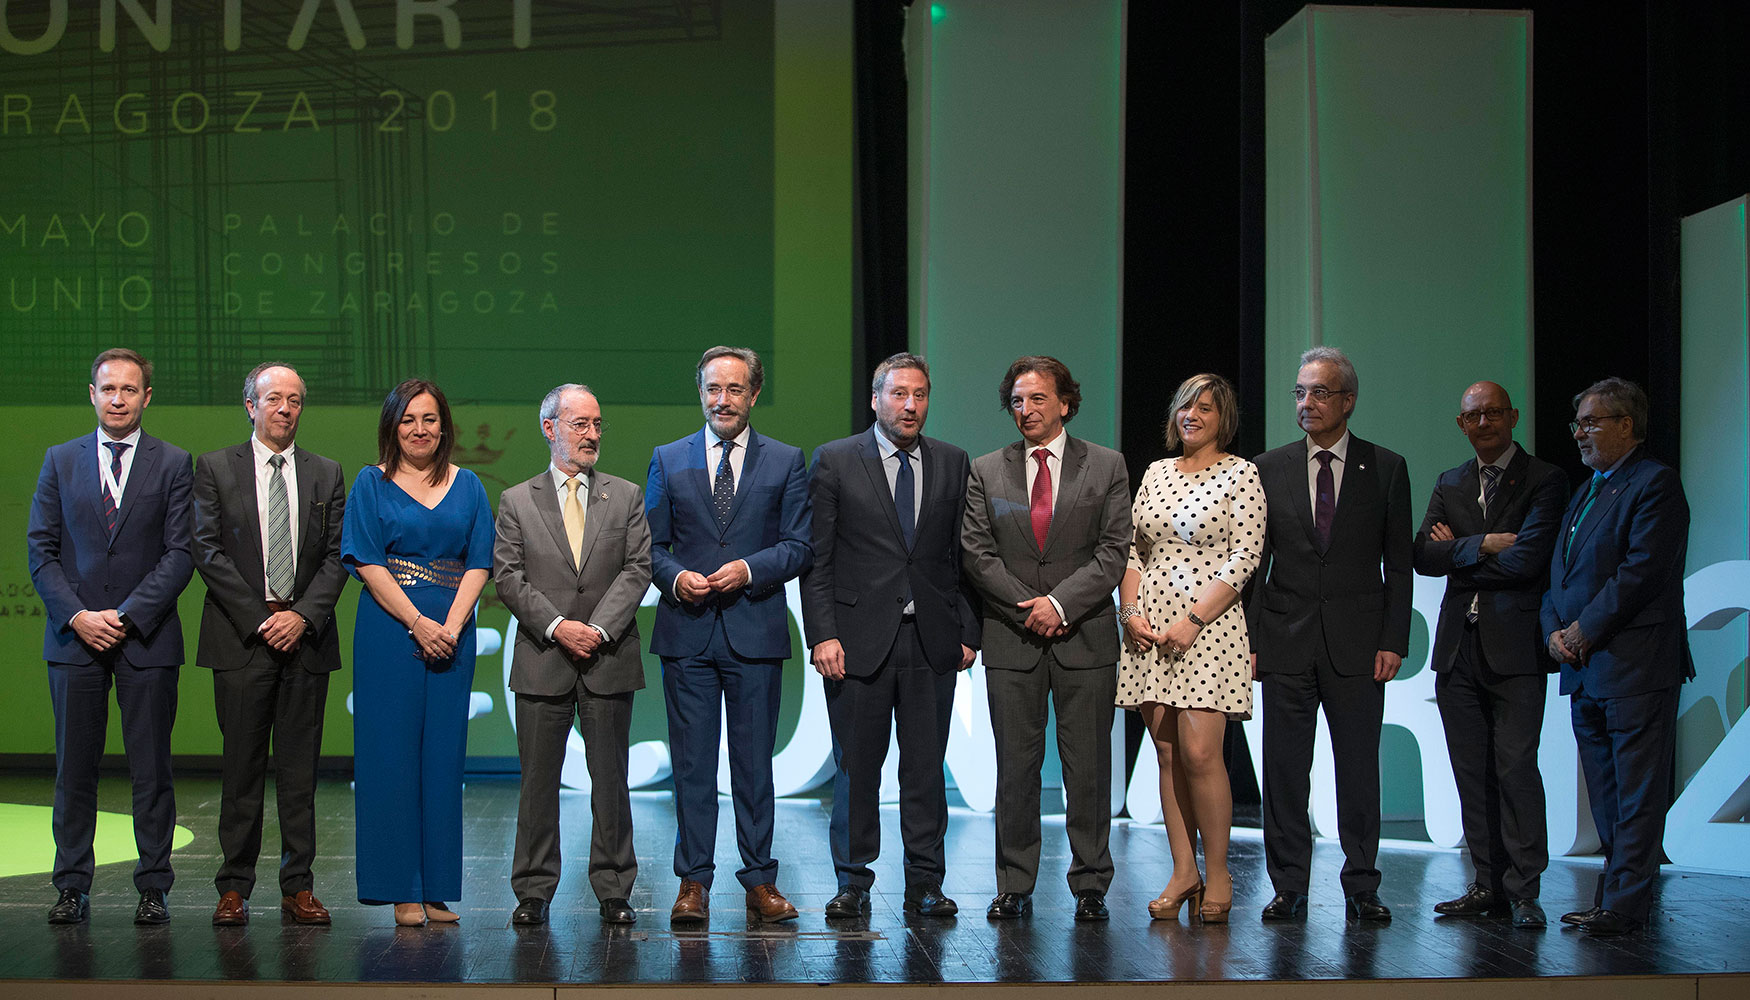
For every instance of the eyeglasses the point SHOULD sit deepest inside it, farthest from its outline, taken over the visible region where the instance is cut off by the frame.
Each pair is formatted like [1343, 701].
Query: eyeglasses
[1589, 426]
[581, 425]
[1496, 414]
[1318, 393]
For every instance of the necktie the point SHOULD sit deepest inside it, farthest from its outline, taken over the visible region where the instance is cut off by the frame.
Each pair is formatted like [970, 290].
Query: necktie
[1325, 506]
[573, 509]
[1491, 481]
[279, 532]
[1041, 499]
[723, 487]
[1573, 529]
[115, 473]
[904, 502]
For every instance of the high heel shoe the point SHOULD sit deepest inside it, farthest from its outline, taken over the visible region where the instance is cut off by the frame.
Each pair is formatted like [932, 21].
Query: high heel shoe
[438, 913]
[409, 915]
[1165, 908]
[1212, 912]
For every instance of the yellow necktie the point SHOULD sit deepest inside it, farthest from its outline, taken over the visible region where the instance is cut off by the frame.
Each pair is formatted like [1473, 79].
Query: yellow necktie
[574, 521]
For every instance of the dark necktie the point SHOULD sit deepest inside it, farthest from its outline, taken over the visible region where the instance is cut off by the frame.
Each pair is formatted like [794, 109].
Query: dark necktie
[1325, 505]
[1574, 529]
[279, 532]
[1491, 481]
[1041, 499]
[904, 502]
[115, 472]
[723, 487]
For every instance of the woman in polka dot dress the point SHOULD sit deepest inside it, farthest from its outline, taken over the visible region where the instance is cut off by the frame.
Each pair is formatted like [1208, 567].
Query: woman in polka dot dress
[1199, 533]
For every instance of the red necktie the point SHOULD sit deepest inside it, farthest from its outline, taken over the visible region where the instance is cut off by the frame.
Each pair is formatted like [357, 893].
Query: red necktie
[1041, 499]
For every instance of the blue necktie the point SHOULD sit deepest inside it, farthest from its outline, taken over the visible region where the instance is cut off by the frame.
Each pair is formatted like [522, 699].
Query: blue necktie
[723, 487]
[904, 500]
[115, 472]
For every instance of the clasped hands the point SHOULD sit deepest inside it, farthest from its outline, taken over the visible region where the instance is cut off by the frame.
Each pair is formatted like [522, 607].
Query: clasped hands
[435, 641]
[100, 630]
[578, 639]
[694, 588]
[1175, 639]
[282, 630]
[1493, 542]
[1569, 645]
[1042, 617]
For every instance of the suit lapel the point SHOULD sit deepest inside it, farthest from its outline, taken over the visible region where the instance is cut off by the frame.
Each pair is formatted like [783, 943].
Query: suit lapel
[1072, 480]
[547, 503]
[144, 470]
[1511, 482]
[870, 453]
[698, 457]
[1301, 491]
[1021, 504]
[598, 492]
[749, 463]
[1608, 492]
[1358, 487]
[243, 478]
[90, 477]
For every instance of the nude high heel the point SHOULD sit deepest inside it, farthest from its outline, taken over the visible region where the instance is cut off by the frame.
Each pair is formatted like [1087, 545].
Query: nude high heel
[1167, 908]
[1212, 912]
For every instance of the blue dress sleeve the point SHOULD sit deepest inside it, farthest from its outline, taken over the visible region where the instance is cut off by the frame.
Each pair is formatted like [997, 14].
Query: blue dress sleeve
[481, 534]
[361, 530]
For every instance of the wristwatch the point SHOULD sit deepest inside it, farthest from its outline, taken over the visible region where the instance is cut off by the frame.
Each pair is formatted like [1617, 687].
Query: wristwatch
[1200, 623]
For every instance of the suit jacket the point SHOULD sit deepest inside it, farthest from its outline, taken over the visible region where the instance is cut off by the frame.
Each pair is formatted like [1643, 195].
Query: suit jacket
[1508, 585]
[1305, 596]
[1085, 553]
[76, 564]
[537, 580]
[1622, 579]
[863, 570]
[228, 548]
[768, 526]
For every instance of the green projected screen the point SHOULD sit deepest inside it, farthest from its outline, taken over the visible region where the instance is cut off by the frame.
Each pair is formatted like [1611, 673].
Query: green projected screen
[497, 196]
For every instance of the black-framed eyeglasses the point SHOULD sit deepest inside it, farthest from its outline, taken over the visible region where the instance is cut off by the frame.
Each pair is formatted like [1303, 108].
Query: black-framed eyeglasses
[1318, 393]
[1589, 426]
[1496, 414]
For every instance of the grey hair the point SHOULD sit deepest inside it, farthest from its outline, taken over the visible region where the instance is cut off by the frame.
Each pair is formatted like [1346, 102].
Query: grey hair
[1348, 381]
[756, 372]
[253, 395]
[1623, 396]
[550, 402]
[904, 359]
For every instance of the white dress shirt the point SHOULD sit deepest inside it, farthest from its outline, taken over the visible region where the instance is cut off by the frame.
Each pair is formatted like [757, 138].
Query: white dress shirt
[559, 479]
[1054, 462]
[117, 485]
[1341, 450]
[263, 476]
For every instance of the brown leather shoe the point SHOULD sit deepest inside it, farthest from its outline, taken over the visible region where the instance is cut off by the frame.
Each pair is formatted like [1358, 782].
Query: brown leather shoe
[770, 904]
[692, 905]
[233, 910]
[304, 907]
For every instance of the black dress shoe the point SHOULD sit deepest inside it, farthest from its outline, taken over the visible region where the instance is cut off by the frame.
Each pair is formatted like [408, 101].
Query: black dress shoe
[1609, 923]
[1476, 902]
[71, 908]
[1286, 906]
[618, 911]
[153, 908]
[926, 900]
[1091, 905]
[1009, 905]
[1579, 918]
[1365, 905]
[852, 901]
[1526, 913]
[531, 912]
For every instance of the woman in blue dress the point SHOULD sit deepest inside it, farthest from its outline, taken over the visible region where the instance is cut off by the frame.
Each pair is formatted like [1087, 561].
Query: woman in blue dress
[418, 534]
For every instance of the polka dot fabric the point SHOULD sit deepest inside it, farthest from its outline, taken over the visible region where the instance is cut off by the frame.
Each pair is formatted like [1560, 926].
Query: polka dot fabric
[1192, 528]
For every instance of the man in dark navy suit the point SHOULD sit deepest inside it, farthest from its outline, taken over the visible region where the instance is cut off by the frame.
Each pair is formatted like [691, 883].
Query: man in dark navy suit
[1614, 619]
[890, 629]
[1490, 529]
[109, 553]
[729, 524]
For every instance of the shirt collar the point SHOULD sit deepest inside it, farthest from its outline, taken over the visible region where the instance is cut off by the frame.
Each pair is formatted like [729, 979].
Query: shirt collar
[712, 440]
[1340, 449]
[1501, 461]
[1055, 446]
[262, 451]
[132, 440]
[1607, 473]
[559, 478]
[887, 448]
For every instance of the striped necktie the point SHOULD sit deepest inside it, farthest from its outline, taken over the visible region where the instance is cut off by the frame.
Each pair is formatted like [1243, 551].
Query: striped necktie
[110, 509]
[279, 532]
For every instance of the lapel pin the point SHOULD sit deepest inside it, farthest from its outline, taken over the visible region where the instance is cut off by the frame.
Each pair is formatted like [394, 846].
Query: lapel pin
[603, 495]
[1362, 466]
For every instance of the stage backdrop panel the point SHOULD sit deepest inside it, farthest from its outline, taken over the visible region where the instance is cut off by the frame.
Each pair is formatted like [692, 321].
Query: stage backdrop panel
[497, 196]
[1398, 222]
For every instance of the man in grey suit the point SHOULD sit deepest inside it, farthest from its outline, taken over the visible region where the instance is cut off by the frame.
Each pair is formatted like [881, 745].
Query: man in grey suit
[267, 519]
[1046, 536]
[1490, 530]
[572, 561]
[1329, 628]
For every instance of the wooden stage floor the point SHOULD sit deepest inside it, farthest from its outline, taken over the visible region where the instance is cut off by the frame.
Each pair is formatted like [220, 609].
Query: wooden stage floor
[1700, 940]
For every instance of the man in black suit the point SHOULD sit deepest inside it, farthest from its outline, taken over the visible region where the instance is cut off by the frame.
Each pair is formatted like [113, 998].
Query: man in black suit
[1614, 619]
[109, 554]
[1490, 529]
[267, 543]
[1328, 629]
[1047, 535]
[890, 628]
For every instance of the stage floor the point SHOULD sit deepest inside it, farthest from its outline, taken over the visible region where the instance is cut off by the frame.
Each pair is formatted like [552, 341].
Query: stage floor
[1702, 927]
